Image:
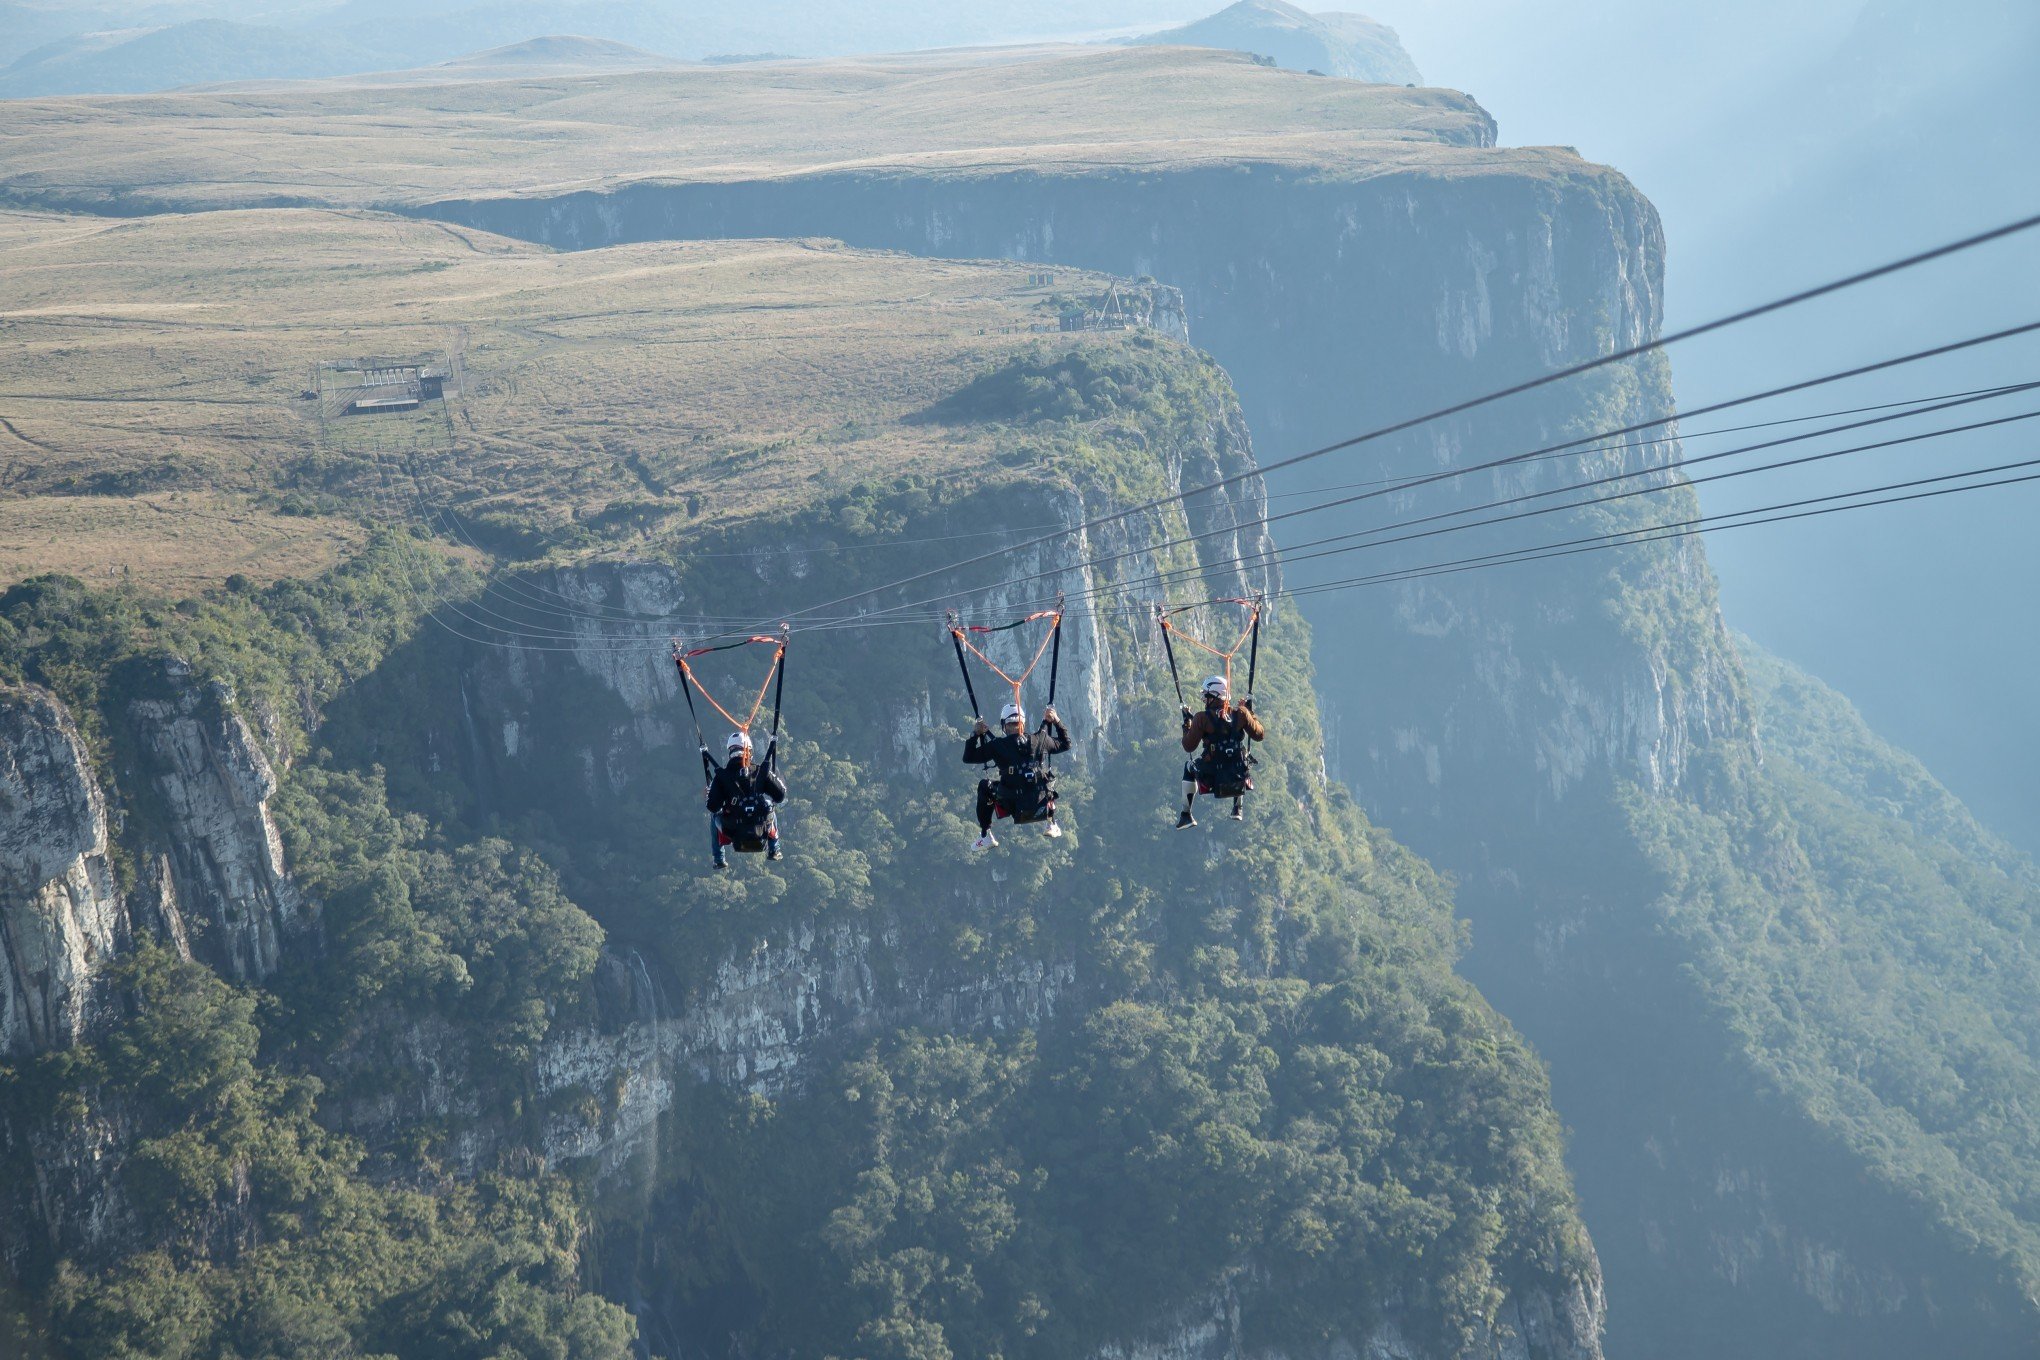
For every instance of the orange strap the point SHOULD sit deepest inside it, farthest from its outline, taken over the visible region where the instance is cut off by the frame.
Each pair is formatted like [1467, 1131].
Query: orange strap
[742, 724]
[992, 665]
[1253, 616]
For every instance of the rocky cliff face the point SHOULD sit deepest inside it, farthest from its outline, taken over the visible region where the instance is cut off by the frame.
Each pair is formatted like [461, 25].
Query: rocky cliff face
[206, 782]
[196, 821]
[61, 921]
[1335, 306]
[1539, 1327]
[755, 1024]
[1503, 721]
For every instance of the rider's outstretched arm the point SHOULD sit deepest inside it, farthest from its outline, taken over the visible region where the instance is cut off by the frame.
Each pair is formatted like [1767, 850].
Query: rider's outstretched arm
[1058, 735]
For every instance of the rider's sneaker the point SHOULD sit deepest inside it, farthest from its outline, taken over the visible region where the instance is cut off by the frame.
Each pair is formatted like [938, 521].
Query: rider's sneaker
[1184, 819]
[1238, 814]
[721, 863]
[985, 841]
[772, 851]
[1053, 830]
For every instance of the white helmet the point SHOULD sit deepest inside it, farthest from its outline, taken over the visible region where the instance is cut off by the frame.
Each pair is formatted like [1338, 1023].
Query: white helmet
[739, 741]
[1217, 688]
[1011, 713]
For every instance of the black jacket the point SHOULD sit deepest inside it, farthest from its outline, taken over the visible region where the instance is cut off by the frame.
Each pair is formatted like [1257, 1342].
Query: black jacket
[733, 781]
[985, 748]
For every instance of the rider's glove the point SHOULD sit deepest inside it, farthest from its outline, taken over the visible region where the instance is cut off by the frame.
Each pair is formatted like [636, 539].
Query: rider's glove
[1186, 715]
[1248, 703]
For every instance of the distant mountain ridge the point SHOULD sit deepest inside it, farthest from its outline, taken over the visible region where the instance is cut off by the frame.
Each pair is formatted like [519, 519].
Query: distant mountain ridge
[120, 47]
[1352, 46]
[195, 52]
[564, 49]
[60, 47]
[555, 55]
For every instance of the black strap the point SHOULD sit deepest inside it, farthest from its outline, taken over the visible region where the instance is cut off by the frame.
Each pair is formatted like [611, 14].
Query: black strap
[964, 666]
[1162, 622]
[1254, 654]
[778, 697]
[779, 690]
[1054, 664]
[700, 737]
[1055, 651]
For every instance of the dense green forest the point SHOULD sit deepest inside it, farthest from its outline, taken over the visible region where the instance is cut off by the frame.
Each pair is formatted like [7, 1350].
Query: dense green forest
[1863, 945]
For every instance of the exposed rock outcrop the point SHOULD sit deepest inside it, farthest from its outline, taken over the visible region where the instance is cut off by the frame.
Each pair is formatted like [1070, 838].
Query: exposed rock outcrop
[205, 784]
[1336, 304]
[757, 1022]
[60, 913]
[1538, 1324]
[513, 712]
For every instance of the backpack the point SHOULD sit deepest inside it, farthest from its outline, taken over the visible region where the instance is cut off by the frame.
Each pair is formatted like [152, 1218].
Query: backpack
[746, 818]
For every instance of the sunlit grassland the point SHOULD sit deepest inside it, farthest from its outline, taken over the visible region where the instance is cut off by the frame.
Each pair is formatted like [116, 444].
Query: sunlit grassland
[693, 383]
[174, 541]
[1051, 109]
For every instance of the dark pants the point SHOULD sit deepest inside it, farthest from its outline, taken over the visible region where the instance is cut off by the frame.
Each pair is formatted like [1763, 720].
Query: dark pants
[1196, 773]
[715, 833]
[989, 802]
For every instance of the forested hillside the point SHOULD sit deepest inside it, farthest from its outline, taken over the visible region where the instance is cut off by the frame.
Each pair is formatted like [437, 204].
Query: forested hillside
[377, 996]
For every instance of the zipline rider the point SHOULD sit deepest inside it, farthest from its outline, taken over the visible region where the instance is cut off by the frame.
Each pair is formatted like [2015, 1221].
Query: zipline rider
[743, 799]
[1023, 790]
[1218, 739]
[743, 802]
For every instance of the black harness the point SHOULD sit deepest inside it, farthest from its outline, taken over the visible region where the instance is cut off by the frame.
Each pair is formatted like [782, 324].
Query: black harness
[1225, 767]
[747, 816]
[1027, 791]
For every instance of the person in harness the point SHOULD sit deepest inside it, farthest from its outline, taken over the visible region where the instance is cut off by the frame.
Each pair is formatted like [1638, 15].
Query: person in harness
[741, 803]
[1024, 789]
[1218, 739]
